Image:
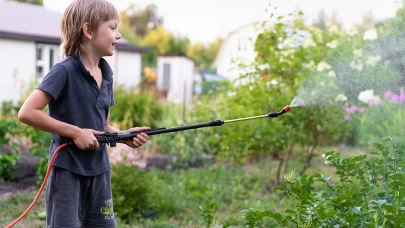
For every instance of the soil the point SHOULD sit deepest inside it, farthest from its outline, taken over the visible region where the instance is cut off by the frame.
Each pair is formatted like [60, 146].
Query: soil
[24, 178]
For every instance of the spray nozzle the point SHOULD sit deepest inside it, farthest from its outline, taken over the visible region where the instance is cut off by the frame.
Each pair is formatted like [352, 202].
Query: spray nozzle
[275, 114]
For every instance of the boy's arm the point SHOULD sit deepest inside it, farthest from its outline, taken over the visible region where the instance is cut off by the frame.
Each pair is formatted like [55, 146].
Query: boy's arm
[137, 141]
[31, 113]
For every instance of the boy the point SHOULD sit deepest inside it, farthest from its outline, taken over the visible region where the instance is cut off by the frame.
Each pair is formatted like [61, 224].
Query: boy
[79, 92]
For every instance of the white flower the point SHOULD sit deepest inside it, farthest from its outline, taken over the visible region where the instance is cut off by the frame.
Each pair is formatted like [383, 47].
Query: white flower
[370, 34]
[311, 64]
[352, 31]
[333, 44]
[323, 66]
[341, 97]
[274, 82]
[355, 66]
[373, 60]
[366, 95]
[331, 74]
[358, 53]
[309, 43]
[231, 94]
[333, 28]
[289, 42]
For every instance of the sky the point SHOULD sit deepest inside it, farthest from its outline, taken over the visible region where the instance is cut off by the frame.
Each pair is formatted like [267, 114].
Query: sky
[205, 20]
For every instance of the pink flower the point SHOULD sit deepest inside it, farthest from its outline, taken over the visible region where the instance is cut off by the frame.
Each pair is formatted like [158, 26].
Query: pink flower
[361, 110]
[402, 97]
[374, 103]
[348, 118]
[351, 109]
[388, 94]
[396, 99]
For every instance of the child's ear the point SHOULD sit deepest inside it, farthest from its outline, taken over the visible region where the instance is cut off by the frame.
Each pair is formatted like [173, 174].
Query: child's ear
[87, 31]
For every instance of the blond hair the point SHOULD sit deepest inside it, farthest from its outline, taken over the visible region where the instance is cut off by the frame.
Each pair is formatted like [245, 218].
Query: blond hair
[79, 12]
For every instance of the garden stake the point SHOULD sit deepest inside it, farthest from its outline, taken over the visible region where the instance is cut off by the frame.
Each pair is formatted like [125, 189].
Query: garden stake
[112, 138]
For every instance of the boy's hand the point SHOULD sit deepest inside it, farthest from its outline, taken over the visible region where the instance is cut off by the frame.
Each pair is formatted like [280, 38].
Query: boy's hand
[139, 140]
[85, 140]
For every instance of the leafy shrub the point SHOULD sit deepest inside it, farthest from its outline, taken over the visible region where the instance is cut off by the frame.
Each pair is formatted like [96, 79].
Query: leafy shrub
[7, 163]
[368, 191]
[381, 120]
[133, 193]
[134, 109]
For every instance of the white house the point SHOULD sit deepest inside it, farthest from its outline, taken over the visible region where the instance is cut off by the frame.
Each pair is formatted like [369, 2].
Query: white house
[175, 77]
[29, 47]
[237, 46]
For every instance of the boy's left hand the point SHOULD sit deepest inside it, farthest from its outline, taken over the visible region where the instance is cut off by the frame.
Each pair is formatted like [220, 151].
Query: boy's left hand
[139, 140]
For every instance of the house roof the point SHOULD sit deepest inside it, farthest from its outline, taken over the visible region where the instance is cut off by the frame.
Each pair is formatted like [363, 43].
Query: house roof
[23, 21]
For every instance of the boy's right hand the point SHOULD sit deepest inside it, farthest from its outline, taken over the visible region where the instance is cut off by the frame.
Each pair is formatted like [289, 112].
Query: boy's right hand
[85, 139]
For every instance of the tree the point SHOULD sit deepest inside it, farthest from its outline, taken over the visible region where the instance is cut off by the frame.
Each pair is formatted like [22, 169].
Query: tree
[204, 55]
[34, 2]
[367, 22]
[321, 21]
[140, 21]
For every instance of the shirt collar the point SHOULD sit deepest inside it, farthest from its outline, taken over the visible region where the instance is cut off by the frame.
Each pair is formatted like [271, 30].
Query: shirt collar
[103, 64]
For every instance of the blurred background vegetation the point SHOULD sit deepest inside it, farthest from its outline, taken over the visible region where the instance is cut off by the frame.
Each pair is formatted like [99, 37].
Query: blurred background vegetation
[239, 165]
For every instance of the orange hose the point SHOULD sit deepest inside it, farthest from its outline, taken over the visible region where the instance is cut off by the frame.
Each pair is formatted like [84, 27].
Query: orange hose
[40, 189]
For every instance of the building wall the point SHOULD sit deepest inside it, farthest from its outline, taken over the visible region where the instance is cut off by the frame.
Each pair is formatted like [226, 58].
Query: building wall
[175, 75]
[18, 68]
[237, 46]
[128, 68]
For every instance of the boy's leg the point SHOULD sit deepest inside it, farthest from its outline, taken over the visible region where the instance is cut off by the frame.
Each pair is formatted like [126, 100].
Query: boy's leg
[99, 205]
[65, 192]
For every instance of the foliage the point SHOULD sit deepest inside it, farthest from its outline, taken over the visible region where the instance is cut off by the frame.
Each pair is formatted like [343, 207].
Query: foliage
[7, 163]
[35, 2]
[133, 192]
[204, 55]
[367, 193]
[134, 109]
[141, 21]
[382, 120]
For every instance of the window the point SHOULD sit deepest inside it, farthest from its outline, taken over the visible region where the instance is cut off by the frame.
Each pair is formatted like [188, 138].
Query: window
[51, 58]
[40, 71]
[166, 76]
[46, 57]
[39, 53]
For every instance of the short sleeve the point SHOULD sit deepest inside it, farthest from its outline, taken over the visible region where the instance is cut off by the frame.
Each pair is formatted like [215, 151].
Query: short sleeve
[54, 81]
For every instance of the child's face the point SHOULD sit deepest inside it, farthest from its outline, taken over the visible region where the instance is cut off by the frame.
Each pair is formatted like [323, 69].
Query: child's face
[106, 38]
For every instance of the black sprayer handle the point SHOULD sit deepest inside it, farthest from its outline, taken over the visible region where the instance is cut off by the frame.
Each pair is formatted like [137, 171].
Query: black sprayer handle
[113, 138]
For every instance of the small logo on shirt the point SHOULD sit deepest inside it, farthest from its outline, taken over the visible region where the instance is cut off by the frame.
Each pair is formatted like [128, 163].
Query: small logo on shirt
[108, 210]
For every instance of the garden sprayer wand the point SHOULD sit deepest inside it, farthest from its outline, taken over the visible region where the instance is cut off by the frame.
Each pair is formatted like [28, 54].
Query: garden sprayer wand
[113, 138]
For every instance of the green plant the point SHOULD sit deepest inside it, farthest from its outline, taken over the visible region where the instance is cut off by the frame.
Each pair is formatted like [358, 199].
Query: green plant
[7, 163]
[367, 193]
[133, 193]
[134, 109]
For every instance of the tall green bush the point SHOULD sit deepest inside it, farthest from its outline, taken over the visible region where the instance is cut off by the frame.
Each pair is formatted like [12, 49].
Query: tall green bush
[133, 109]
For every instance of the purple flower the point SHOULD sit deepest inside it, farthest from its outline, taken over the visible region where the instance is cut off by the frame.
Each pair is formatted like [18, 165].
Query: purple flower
[348, 118]
[375, 103]
[351, 109]
[402, 97]
[387, 94]
[395, 98]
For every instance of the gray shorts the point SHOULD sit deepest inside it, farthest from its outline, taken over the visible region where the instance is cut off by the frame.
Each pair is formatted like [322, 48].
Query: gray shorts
[74, 201]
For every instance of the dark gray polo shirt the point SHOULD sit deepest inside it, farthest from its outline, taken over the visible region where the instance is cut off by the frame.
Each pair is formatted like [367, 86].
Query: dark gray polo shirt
[77, 100]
